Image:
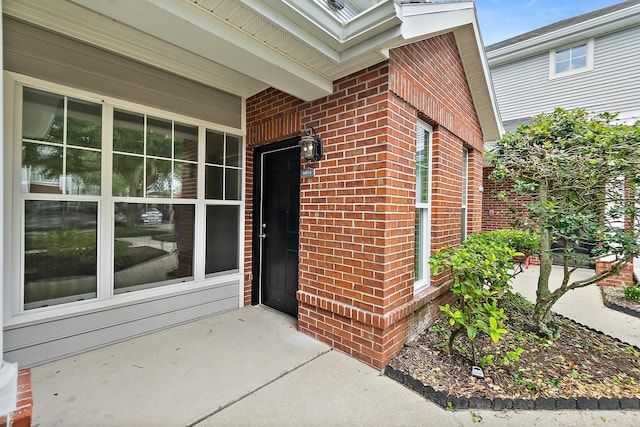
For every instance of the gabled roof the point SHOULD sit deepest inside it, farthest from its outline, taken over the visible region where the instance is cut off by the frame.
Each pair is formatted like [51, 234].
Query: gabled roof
[587, 25]
[245, 46]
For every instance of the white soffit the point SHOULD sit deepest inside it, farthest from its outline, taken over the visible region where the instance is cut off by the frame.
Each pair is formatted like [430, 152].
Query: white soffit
[80, 23]
[245, 46]
[190, 27]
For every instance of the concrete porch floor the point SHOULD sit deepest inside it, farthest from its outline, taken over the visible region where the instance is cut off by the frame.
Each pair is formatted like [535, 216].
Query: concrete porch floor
[250, 367]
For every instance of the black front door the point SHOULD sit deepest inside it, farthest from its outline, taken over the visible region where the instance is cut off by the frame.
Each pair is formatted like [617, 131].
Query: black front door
[278, 213]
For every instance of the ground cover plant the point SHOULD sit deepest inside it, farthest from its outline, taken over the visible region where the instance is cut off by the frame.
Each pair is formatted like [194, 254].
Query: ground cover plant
[503, 339]
[579, 363]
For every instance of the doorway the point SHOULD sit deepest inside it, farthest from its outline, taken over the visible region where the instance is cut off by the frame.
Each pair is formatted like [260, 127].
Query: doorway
[276, 224]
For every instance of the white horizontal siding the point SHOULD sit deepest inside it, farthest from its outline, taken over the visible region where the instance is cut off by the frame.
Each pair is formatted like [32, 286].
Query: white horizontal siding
[523, 88]
[41, 342]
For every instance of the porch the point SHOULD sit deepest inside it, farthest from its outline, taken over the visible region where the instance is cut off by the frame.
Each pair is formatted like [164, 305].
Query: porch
[193, 374]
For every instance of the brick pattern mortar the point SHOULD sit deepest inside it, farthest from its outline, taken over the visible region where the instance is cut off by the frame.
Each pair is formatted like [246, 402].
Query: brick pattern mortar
[357, 215]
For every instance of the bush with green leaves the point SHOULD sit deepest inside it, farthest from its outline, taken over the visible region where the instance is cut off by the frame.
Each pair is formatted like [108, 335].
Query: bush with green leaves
[67, 243]
[632, 292]
[480, 269]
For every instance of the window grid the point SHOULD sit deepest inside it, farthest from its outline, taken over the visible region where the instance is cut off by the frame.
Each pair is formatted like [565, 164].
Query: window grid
[184, 159]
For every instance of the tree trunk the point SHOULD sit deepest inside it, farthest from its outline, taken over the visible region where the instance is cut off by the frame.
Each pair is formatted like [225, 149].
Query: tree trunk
[543, 296]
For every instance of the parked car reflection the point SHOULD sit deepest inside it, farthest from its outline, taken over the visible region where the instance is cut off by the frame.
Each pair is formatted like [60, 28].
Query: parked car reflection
[150, 216]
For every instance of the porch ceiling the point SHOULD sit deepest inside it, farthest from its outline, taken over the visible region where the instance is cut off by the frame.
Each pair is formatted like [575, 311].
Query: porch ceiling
[244, 46]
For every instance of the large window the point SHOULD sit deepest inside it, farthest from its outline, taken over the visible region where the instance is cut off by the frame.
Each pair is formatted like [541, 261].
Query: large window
[110, 200]
[423, 201]
[571, 60]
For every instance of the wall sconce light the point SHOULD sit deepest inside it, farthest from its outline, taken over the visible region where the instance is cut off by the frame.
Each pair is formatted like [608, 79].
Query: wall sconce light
[311, 145]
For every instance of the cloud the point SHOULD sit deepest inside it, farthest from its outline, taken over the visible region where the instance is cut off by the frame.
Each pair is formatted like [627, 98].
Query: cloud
[531, 3]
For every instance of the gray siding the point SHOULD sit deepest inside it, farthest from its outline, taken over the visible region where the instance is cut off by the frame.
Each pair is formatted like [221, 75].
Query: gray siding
[39, 53]
[51, 339]
[523, 87]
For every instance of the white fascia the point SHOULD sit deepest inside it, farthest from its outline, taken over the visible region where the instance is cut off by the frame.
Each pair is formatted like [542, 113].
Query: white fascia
[340, 35]
[422, 20]
[581, 31]
[191, 28]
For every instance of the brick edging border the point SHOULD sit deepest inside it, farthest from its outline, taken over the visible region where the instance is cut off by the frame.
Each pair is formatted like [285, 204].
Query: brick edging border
[498, 404]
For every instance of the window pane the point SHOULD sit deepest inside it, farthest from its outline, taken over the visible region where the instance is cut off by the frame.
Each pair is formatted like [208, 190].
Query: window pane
[562, 66]
[186, 142]
[42, 116]
[128, 132]
[41, 168]
[215, 148]
[159, 138]
[234, 151]
[419, 245]
[465, 176]
[579, 51]
[127, 175]
[222, 238]
[563, 55]
[579, 62]
[60, 252]
[83, 172]
[160, 180]
[423, 176]
[84, 124]
[213, 182]
[186, 179]
[232, 184]
[153, 245]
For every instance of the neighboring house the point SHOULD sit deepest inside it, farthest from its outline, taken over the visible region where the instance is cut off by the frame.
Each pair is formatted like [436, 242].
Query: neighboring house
[590, 61]
[193, 111]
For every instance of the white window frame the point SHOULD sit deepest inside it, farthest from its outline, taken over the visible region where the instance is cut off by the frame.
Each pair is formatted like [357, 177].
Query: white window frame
[424, 240]
[14, 312]
[464, 214]
[589, 60]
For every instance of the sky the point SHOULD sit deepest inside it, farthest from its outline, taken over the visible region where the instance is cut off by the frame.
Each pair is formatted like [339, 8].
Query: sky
[502, 19]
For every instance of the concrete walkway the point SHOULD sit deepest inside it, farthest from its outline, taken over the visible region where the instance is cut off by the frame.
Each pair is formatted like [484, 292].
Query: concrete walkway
[250, 367]
[583, 305]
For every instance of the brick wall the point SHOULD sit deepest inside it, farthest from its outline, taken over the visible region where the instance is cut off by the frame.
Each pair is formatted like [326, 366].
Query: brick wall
[497, 215]
[22, 415]
[357, 215]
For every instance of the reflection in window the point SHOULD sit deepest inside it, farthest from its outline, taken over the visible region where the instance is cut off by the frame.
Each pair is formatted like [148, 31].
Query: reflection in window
[153, 245]
[61, 142]
[222, 239]
[423, 223]
[60, 252]
[153, 157]
[223, 166]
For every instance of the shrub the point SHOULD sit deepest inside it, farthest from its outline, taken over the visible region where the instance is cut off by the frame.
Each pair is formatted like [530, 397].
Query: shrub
[632, 292]
[480, 268]
[68, 243]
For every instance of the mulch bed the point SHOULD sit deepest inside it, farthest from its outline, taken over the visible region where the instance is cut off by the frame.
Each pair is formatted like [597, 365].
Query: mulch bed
[614, 298]
[583, 368]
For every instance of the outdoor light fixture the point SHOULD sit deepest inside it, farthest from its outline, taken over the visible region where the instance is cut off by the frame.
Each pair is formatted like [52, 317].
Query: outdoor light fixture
[311, 145]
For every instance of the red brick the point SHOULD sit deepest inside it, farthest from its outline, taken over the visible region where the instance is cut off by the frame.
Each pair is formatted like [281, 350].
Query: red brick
[357, 215]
